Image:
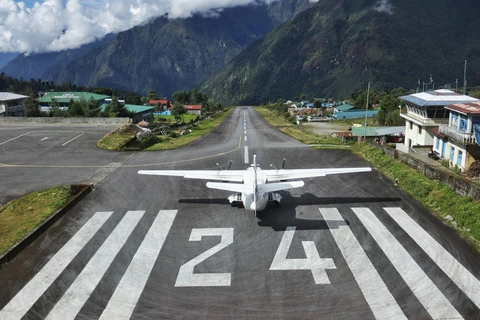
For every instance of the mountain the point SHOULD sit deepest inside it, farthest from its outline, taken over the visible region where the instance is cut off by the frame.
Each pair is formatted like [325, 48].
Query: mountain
[336, 47]
[46, 65]
[165, 55]
[6, 57]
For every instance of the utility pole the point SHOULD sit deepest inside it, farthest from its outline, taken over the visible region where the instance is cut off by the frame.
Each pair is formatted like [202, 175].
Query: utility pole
[366, 109]
[465, 79]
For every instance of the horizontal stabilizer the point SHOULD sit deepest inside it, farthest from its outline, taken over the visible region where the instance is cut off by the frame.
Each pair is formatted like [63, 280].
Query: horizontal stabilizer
[272, 187]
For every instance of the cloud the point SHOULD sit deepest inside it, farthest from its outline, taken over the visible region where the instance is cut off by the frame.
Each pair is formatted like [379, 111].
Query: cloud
[385, 7]
[53, 25]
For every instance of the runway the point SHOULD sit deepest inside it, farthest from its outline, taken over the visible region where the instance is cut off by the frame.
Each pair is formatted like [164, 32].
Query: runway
[351, 246]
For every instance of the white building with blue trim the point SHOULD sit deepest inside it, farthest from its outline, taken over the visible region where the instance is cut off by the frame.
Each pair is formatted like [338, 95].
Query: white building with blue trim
[458, 141]
[425, 113]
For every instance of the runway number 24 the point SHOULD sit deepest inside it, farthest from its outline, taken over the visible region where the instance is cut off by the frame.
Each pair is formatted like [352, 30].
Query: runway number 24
[312, 262]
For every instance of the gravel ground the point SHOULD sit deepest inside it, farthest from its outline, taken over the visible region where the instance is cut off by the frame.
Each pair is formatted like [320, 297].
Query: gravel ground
[325, 128]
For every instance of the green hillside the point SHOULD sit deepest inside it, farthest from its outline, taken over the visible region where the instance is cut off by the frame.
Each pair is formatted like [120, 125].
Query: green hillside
[338, 46]
[165, 55]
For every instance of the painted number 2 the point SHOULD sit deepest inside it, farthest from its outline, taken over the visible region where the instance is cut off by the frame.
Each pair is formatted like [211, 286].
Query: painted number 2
[313, 262]
[186, 277]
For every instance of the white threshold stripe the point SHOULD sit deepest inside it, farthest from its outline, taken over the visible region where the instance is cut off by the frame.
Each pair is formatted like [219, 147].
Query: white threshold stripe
[126, 295]
[33, 290]
[246, 155]
[75, 297]
[376, 293]
[463, 278]
[421, 285]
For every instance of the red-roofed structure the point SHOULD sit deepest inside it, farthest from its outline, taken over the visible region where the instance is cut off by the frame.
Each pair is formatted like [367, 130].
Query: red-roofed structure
[194, 109]
[162, 102]
[457, 141]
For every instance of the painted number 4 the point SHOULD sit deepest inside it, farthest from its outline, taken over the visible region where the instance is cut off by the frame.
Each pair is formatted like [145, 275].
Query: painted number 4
[312, 262]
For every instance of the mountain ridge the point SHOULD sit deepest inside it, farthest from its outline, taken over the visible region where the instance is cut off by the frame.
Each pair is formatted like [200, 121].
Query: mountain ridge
[336, 47]
[163, 55]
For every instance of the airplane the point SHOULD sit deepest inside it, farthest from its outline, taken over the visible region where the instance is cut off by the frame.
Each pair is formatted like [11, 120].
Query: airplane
[254, 187]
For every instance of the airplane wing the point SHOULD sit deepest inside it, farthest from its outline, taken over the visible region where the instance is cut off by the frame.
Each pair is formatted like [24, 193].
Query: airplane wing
[222, 175]
[271, 187]
[288, 174]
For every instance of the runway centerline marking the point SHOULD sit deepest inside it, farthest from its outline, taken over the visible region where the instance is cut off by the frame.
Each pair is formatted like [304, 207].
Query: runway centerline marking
[374, 289]
[80, 290]
[33, 290]
[463, 278]
[421, 285]
[247, 158]
[128, 291]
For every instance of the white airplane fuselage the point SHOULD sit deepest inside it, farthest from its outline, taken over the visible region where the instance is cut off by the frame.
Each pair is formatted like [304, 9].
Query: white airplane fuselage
[255, 200]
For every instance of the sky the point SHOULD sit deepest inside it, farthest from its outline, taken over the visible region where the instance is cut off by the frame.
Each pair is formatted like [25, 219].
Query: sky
[54, 25]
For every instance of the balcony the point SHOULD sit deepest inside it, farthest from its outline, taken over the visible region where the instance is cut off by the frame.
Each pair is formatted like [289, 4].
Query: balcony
[459, 136]
[422, 120]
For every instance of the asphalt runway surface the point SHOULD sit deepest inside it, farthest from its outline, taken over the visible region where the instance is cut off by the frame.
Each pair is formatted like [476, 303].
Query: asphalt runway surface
[349, 246]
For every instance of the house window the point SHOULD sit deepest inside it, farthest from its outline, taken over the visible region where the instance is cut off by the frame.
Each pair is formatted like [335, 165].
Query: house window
[419, 129]
[454, 120]
[459, 158]
[452, 154]
[463, 124]
[411, 125]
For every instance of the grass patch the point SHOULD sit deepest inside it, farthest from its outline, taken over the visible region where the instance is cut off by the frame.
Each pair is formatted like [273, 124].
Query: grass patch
[460, 212]
[171, 119]
[297, 131]
[115, 141]
[21, 216]
[198, 130]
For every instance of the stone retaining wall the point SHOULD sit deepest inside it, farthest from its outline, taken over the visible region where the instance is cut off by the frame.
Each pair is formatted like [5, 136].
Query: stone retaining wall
[57, 120]
[461, 185]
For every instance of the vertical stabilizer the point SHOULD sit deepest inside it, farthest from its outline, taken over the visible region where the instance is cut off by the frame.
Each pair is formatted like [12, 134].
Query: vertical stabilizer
[255, 182]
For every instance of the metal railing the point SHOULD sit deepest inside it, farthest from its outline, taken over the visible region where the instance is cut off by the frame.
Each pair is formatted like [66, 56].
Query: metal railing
[462, 137]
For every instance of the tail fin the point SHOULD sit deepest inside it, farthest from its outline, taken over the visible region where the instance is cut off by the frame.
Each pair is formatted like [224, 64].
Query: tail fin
[255, 187]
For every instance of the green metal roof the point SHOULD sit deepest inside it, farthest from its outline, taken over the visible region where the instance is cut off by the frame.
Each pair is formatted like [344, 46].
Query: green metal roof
[132, 108]
[345, 107]
[138, 109]
[65, 97]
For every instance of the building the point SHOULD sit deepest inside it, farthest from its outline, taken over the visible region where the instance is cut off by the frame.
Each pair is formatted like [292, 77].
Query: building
[380, 134]
[347, 111]
[12, 105]
[344, 107]
[455, 141]
[426, 111]
[140, 113]
[194, 109]
[163, 103]
[63, 99]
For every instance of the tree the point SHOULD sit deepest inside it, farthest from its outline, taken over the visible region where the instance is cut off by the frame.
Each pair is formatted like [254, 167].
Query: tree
[55, 110]
[152, 95]
[32, 107]
[178, 111]
[117, 109]
[75, 110]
